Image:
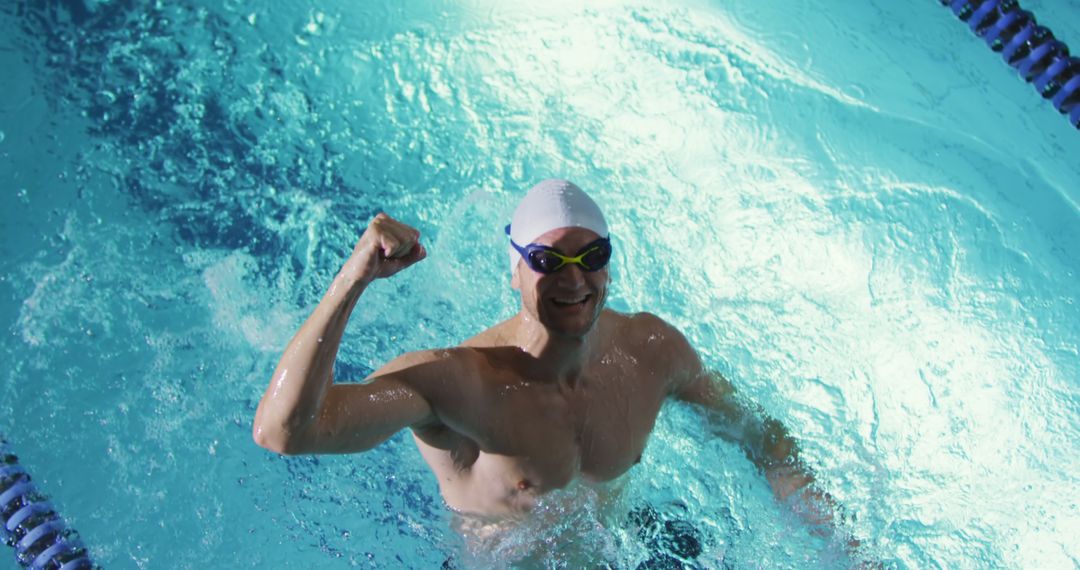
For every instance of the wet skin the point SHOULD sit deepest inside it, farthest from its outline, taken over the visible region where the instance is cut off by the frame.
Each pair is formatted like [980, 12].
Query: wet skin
[511, 432]
[563, 391]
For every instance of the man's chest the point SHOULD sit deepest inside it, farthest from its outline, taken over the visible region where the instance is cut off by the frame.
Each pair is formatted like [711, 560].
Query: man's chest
[599, 429]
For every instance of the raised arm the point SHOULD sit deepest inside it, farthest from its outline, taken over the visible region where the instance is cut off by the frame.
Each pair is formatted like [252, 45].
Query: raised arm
[302, 411]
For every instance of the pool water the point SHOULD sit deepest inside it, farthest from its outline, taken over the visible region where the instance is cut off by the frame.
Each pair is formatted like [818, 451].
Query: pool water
[860, 215]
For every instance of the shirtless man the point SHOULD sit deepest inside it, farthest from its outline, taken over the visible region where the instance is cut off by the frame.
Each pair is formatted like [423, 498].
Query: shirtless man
[565, 390]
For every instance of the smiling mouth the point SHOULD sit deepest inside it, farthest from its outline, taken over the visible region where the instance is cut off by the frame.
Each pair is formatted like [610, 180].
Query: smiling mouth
[571, 301]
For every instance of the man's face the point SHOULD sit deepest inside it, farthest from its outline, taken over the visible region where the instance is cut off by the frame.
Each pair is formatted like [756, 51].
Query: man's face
[568, 301]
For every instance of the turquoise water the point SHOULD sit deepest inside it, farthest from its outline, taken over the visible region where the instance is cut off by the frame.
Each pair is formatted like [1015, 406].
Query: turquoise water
[883, 221]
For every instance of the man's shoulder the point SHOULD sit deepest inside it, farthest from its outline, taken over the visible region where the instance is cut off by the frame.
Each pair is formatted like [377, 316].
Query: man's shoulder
[649, 334]
[641, 325]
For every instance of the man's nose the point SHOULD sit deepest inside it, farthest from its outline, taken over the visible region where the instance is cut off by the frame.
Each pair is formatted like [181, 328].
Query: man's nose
[572, 275]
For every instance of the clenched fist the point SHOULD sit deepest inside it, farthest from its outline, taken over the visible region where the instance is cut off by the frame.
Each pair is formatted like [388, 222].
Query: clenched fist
[387, 246]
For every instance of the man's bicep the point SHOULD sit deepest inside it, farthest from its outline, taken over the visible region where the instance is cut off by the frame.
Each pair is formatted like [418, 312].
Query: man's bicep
[357, 417]
[690, 381]
[696, 384]
[712, 390]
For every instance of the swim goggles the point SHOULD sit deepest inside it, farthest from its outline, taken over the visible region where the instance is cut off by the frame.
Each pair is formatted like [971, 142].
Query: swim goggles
[545, 259]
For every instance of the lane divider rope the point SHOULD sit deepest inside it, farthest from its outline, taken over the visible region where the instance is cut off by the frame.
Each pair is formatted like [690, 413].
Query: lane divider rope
[31, 525]
[1029, 48]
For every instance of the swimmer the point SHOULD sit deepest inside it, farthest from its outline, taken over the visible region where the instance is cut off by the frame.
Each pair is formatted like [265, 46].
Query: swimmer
[566, 390]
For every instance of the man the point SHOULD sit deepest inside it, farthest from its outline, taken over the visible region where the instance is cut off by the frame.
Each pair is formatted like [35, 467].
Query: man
[563, 391]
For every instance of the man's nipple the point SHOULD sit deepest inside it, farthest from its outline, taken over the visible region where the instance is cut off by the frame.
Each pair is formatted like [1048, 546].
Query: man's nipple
[524, 485]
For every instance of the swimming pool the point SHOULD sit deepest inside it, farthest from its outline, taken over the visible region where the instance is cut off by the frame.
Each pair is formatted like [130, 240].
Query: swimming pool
[881, 220]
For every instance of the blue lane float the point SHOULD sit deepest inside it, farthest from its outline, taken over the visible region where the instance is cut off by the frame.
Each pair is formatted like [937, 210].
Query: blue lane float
[31, 525]
[1030, 49]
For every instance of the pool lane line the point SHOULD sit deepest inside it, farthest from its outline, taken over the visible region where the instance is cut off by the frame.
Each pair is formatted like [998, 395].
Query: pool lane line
[31, 525]
[1029, 48]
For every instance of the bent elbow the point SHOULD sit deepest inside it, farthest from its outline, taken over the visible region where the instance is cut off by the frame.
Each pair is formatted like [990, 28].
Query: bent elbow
[264, 439]
[275, 440]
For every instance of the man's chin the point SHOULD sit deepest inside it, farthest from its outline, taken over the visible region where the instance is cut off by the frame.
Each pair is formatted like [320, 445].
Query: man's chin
[572, 322]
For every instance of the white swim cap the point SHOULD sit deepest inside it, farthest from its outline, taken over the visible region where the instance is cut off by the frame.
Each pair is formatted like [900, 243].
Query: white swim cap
[550, 205]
